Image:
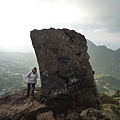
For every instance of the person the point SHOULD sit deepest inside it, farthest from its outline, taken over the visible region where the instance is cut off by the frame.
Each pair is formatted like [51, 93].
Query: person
[32, 76]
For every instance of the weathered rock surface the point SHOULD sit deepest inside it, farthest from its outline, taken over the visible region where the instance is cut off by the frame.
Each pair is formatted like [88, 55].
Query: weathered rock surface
[93, 114]
[20, 107]
[66, 75]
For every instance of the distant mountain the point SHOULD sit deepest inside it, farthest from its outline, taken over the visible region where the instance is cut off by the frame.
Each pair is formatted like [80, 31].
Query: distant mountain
[104, 60]
[5, 49]
[17, 62]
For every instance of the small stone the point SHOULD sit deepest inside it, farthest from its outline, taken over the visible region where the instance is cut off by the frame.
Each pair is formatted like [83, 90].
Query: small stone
[45, 116]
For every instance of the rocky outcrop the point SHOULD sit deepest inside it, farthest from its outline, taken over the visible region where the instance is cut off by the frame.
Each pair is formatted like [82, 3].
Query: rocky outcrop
[66, 75]
[20, 107]
[93, 114]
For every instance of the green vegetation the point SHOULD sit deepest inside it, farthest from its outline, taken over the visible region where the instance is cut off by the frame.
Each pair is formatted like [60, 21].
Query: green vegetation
[112, 110]
[10, 83]
[100, 76]
[13, 66]
[111, 105]
[107, 84]
[105, 99]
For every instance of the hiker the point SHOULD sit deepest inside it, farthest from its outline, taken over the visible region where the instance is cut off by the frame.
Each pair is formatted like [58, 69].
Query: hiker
[32, 76]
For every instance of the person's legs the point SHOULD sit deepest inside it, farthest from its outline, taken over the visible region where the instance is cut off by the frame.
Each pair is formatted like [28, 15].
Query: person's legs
[33, 88]
[28, 89]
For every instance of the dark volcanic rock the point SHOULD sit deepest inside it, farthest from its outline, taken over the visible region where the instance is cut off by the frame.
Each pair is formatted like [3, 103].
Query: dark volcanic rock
[66, 75]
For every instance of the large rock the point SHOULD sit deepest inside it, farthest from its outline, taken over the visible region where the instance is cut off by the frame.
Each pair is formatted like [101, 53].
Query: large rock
[93, 114]
[66, 74]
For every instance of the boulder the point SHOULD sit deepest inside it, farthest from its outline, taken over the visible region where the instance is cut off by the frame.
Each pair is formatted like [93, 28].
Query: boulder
[93, 114]
[46, 116]
[66, 74]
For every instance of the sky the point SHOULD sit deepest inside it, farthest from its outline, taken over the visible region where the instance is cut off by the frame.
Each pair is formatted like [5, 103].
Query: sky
[97, 20]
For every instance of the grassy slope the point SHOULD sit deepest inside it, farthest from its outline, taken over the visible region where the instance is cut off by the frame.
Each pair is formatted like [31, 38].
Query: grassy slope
[111, 105]
[107, 84]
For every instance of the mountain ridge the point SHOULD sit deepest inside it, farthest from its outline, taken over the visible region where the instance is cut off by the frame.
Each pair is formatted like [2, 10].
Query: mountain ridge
[104, 60]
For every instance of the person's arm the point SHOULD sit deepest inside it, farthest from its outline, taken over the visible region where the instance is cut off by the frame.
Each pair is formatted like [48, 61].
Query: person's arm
[29, 74]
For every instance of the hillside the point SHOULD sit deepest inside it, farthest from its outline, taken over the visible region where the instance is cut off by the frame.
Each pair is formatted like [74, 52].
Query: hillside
[106, 64]
[111, 105]
[104, 60]
[107, 84]
[13, 66]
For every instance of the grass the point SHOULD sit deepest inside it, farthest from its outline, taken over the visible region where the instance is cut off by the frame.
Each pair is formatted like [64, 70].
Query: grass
[111, 105]
[105, 99]
[100, 76]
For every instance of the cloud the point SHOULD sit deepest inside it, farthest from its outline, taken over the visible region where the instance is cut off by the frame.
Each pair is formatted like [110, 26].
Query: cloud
[99, 14]
[103, 37]
[98, 20]
[92, 13]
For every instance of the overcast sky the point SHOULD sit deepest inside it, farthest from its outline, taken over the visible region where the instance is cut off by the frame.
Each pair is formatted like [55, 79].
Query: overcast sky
[98, 20]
